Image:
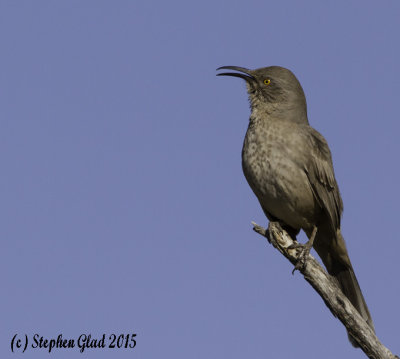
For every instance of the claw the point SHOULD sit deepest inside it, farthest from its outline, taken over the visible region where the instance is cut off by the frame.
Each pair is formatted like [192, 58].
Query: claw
[295, 246]
[305, 251]
[302, 257]
[270, 235]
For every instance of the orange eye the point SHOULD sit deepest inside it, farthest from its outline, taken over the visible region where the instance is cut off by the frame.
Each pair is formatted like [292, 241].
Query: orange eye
[267, 82]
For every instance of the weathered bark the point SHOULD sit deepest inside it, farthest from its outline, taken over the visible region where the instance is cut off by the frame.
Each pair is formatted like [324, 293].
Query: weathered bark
[331, 294]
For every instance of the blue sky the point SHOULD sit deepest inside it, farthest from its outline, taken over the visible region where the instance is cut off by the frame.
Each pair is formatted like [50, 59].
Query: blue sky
[124, 207]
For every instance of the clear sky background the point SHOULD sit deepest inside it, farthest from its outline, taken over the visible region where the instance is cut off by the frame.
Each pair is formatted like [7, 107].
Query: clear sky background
[123, 204]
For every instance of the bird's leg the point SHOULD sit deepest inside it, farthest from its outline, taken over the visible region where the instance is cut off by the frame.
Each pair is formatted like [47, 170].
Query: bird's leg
[305, 250]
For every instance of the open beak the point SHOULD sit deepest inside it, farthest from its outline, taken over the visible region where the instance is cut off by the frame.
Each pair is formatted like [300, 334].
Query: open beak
[242, 73]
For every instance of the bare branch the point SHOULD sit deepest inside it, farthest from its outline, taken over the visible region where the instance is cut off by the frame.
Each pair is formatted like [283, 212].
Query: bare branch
[330, 292]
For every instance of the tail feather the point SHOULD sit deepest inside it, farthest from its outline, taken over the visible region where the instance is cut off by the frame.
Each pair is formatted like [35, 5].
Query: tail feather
[334, 254]
[351, 289]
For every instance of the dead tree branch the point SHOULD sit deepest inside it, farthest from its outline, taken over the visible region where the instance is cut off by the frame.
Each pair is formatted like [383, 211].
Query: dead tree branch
[330, 292]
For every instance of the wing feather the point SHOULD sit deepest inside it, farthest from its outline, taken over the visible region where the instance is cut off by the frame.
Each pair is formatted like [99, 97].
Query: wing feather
[321, 176]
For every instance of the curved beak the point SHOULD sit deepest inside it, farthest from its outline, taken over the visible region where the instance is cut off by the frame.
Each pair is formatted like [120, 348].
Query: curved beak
[242, 73]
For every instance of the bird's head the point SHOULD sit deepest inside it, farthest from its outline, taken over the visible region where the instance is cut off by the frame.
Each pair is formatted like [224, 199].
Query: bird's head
[273, 91]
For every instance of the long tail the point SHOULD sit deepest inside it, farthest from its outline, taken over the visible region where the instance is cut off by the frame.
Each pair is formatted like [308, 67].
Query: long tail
[334, 254]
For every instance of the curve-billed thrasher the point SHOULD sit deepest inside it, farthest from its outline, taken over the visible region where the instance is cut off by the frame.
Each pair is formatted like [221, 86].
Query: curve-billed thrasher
[288, 166]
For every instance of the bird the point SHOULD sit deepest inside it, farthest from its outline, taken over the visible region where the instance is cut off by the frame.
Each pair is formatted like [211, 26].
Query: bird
[288, 165]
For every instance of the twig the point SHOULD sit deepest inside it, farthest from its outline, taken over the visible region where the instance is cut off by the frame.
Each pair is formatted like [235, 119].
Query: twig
[330, 292]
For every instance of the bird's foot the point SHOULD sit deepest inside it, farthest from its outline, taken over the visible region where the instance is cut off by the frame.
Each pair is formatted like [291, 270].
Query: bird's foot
[304, 252]
[303, 255]
[270, 233]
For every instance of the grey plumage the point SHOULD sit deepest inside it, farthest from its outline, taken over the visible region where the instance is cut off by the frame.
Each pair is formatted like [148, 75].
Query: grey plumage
[288, 165]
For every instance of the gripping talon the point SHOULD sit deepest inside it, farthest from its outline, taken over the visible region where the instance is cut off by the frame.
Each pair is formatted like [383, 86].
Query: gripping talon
[305, 251]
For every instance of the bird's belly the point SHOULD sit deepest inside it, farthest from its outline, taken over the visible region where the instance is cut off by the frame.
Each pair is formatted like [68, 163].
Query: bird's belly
[281, 186]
